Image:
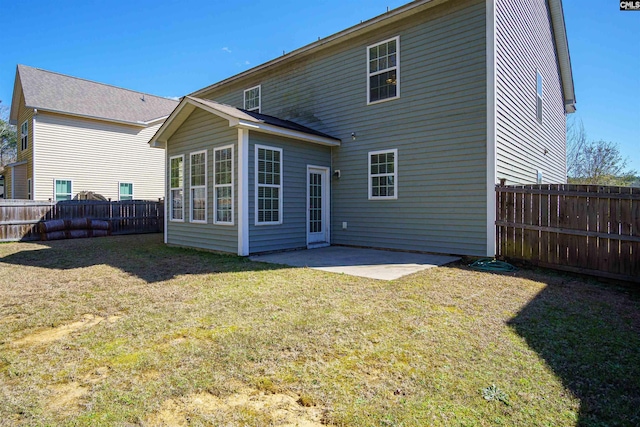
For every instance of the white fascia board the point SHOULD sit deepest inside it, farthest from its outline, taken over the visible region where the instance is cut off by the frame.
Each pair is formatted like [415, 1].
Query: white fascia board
[288, 133]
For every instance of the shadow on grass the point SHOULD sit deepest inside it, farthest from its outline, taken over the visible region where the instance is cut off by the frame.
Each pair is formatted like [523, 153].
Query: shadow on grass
[589, 334]
[144, 256]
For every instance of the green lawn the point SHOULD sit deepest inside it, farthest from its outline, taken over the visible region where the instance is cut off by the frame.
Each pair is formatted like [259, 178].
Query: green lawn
[123, 331]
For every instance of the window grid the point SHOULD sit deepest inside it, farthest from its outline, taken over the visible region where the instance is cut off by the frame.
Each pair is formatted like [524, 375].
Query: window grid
[383, 70]
[125, 191]
[198, 181]
[63, 189]
[315, 203]
[268, 184]
[223, 185]
[252, 99]
[24, 136]
[176, 182]
[382, 174]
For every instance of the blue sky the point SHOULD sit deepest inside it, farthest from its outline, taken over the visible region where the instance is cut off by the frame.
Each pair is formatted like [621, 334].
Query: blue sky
[171, 48]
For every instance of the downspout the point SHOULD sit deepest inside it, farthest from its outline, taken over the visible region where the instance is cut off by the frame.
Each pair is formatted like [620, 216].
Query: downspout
[491, 127]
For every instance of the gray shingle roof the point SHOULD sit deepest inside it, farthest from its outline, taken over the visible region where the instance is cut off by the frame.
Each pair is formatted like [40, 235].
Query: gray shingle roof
[51, 91]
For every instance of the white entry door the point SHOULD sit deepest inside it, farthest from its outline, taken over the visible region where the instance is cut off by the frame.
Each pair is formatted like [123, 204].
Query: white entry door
[317, 206]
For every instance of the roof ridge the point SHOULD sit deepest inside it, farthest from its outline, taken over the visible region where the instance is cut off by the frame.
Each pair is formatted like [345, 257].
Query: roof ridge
[95, 82]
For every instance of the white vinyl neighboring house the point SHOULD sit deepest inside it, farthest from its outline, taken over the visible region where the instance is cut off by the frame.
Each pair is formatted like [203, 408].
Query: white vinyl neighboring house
[76, 135]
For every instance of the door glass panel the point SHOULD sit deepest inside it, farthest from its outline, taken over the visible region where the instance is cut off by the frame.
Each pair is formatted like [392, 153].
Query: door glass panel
[315, 203]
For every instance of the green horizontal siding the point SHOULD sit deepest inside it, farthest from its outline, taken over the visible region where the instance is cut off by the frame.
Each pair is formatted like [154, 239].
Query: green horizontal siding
[438, 126]
[203, 130]
[296, 155]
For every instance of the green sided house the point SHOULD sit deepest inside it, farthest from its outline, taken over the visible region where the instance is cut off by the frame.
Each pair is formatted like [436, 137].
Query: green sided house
[389, 134]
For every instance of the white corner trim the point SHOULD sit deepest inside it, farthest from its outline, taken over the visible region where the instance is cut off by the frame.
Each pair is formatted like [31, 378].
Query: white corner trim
[167, 196]
[243, 192]
[33, 155]
[491, 127]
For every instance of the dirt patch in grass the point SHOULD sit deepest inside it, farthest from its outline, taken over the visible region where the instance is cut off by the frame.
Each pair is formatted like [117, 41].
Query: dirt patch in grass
[272, 408]
[54, 334]
[181, 337]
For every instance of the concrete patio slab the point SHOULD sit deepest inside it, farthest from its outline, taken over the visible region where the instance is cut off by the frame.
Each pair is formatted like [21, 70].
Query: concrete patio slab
[371, 263]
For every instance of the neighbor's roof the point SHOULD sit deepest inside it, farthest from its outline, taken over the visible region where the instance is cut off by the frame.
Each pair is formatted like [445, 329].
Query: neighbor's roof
[409, 9]
[49, 91]
[239, 118]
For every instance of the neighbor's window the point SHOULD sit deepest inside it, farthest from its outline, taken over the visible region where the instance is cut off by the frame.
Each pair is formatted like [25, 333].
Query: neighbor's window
[29, 188]
[383, 75]
[63, 189]
[199, 186]
[223, 185]
[24, 136]
[125, 191]
[269, 185]
[539, 96]
[383, 173]
[252, 99]
[176, 183]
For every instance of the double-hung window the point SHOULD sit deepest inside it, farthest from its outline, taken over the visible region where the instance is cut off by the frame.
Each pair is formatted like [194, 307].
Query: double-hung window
[383, 174]
[539, 96]
[125, 191]
[63, 189]
[29, 189]
[223, 185]
[176, 184]
[198, 188]
[252, 99]
[268, 185]
[24, 136]
[383, 72]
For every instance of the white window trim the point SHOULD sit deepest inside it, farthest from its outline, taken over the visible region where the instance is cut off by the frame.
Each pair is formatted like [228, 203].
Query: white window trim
[216, 186]
[170, 195]
[193, 187]
[29, 189]
[132, 189]
[397, 68]
[540, 97]
[281, 198]
[24, 136]
[244, 98]
[395, 174]
[55, 198]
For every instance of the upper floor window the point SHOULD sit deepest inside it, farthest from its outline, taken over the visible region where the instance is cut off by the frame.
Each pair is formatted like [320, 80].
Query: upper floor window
[125, 191]
[383, 73]
[176, 187]
[383, 173]
[539, 96]
[268, 185]
[24, 136]
[199, 186]
[252, 99]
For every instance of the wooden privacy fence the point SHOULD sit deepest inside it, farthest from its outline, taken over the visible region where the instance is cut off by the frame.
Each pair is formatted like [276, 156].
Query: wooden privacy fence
[19, 219]
[586, 229]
